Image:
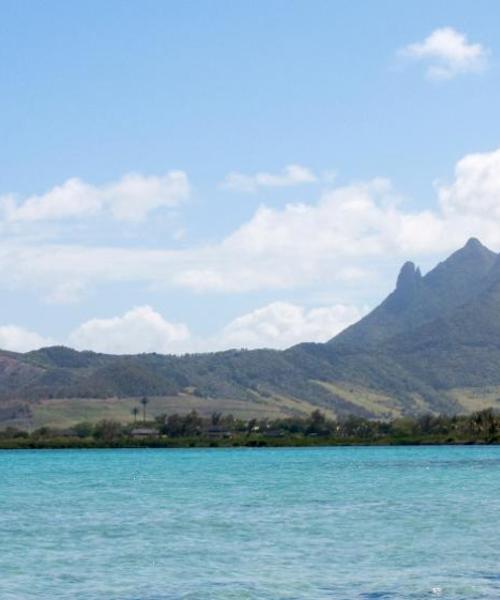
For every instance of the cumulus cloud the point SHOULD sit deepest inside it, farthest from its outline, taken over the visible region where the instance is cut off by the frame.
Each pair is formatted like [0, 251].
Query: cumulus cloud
[291, 175]
[301, 244]
[327, 242]
[282, 324]
[447, 54]
[131, 198]
[19, 339]
[476, 187]
[141, 329]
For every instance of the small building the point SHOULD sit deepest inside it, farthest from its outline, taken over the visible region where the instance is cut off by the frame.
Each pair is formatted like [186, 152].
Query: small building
[274, 433]
[217, 432]
[144, 432]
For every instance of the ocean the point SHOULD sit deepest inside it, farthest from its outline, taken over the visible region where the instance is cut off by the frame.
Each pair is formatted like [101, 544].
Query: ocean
[280, 524]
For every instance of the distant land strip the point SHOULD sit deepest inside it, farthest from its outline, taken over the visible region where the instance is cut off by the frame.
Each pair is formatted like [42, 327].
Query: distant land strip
[194, 431]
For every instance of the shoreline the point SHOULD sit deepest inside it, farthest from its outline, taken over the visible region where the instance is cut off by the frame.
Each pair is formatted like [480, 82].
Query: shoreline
[261, 444]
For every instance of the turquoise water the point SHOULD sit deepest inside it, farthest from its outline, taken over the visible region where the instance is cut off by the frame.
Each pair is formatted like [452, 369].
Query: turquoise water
[334, 523]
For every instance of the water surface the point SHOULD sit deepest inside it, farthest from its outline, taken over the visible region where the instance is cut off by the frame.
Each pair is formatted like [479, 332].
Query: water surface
[321, 523]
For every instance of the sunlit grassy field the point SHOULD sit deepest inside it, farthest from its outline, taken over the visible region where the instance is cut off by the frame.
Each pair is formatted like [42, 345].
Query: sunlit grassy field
[66, 412]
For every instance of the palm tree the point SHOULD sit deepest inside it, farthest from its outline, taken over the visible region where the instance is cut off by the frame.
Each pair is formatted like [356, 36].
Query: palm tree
[135, 412]
[144, 401]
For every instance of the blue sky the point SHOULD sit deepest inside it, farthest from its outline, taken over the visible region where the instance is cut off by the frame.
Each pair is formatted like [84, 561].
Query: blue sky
[181, 176]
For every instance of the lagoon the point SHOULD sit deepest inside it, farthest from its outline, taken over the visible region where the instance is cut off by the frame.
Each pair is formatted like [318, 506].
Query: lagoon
[280, 524]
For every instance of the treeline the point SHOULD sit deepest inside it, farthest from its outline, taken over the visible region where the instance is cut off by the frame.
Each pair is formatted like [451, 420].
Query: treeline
[193, 430]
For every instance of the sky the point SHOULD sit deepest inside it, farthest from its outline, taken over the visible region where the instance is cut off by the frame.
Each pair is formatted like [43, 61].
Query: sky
[194, 176]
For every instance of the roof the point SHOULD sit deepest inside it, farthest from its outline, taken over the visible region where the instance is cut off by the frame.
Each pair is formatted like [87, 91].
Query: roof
[144, 431]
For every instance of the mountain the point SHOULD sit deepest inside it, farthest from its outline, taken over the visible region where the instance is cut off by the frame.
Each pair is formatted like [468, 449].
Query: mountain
[418, 300]
[433, 345]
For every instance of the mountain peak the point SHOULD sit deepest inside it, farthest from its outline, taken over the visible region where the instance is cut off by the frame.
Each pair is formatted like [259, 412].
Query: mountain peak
[474, 245]
[473, 242]
[466, 267]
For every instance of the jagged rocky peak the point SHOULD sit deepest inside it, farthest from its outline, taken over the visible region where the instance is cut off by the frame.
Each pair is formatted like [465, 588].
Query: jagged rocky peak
[408, 277]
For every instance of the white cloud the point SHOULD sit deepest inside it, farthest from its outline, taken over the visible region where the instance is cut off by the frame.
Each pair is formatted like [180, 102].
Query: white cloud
[134, 196]
[290, 176]
[448, 53]
[282, 324]
[303, 243]
[476, 188]
[139, 330]
[18, 339]
[131, 198]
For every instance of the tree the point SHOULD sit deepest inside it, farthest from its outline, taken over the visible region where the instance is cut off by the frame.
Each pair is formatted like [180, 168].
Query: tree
[192, 423]
[108, 431]
[250, 425]
[135, 412]
[483, 423]
[174, 425]
[215, 418]
[317, 423]
[144, 402]
[83, 429]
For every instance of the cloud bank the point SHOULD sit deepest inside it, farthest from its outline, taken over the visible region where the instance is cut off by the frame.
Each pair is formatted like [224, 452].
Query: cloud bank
[293, 247]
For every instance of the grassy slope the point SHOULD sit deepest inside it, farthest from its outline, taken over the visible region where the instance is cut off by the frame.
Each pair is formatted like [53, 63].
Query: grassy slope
[68, 411]
[65, 412]
[474, 399]
[379, 404]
